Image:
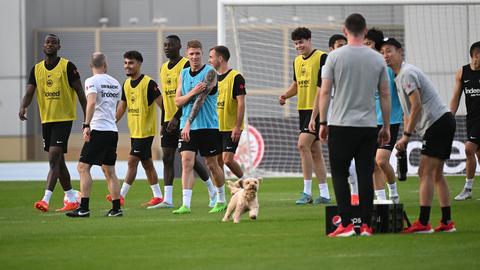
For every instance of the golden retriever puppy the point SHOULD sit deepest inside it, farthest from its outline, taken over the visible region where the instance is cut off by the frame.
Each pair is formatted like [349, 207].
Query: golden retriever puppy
[244, 198]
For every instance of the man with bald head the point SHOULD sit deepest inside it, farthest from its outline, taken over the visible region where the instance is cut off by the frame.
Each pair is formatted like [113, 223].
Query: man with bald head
[100, 134]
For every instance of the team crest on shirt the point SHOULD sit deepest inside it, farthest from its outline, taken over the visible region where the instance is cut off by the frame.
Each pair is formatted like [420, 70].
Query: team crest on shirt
[49, 83]
[303, 69]
[169, 80]
[133, 99]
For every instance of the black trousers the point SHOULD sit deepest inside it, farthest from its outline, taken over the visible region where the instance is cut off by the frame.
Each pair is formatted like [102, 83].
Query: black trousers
[345, 144]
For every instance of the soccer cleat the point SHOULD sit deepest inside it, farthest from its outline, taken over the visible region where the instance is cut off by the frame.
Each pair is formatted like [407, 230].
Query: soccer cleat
[343, 231]
[464, 195]
[68, 206]
[163, 204]
[182, 210]
[109, 198]
[153, 201]
[114, 213]
[41, 205]
[213, 200]
[219, 207]
[304, 199]
[395, 199]
[354, 199]
[417, 227]
[450, 227]
[321, 200]
[79, 212]
[366, 230]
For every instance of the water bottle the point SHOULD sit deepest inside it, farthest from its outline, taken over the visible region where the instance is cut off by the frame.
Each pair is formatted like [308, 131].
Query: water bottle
[402, 165]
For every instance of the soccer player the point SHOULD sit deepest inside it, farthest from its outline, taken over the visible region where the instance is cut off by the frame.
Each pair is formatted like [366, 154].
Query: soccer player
[383, 170]
[306, 80]
[139, 94]
[467, 80]
[426, 114]
[197, 95]
[57, 81]
[230, 107]
[170, 132]
[101, 136]
[356, 72]
[336, 41]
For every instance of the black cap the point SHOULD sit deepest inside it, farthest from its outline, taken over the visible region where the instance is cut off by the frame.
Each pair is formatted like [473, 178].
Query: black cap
[392, 41]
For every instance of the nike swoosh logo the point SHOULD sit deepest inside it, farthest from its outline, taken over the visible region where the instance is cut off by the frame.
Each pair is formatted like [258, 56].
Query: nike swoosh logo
[466, 81]
[136, 151]
[228, 147]
[80, 213]
[213, 151]
[59, 141]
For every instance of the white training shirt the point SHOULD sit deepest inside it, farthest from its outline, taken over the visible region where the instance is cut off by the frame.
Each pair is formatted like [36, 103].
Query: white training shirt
[108, 92]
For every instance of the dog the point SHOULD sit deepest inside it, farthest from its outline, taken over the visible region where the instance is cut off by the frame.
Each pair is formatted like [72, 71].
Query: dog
[244, 198]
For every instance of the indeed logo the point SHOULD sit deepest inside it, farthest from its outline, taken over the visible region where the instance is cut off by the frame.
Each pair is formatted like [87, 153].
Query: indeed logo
[304, 82]
[52, 94]
[470, 91]
[170, 92]
[133, 110]
[111, 95]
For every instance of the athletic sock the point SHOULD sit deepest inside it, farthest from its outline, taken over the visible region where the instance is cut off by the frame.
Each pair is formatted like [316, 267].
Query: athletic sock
[446, 215]
[157, 192]
[424, 215]
[211, 188]
[124, 189]
[392, 190]
[324, 190]
[187, 197]
[168, 194]
[468, 184]
[307, 186]
[47, 196]
[381, 194]
[71, 195]
[116, 204]
[84, 203]
[221, 194]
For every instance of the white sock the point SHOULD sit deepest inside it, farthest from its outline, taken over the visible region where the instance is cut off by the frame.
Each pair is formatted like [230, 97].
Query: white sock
[168, 194]
[468, 183]
[187, 197]
[157, 192]
[392, 189]
[124, 189]
[381, 194]
[352, 179]
[212, 190]
[47, 196]
[307, 186]
[221, 194]
[324, 190]
[71, 195]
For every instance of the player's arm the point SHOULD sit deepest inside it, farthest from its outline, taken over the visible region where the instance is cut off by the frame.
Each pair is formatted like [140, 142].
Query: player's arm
[90, 109]
[181, 100]
[239, 92]
[385, 106]
[208, 85]
[76, 84]
[457, 92]
[28, 97]
[412, 120]
[121, 107]
[323, 103]
[291, 91]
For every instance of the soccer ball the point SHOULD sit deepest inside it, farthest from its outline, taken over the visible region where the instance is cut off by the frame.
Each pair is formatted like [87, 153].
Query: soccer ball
[78, 197]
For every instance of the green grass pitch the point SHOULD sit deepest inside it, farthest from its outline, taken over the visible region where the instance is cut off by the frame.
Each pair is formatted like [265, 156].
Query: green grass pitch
[285, 236]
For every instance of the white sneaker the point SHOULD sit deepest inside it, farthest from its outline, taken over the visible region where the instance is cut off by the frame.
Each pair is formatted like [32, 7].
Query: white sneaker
[464, 195]
[163, 204]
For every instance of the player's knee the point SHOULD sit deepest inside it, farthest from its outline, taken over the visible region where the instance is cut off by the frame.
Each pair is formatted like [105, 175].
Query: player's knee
[132, 163]
[470, 150]
[168, 159]
[302, 147]
[82, 168]
[381, 163]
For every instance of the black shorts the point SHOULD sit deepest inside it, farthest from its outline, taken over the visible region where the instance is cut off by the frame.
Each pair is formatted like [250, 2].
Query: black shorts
[227, 144]
[437, 141]
[56, 134]
[473, 131]
[169, 139]
[304, 119]
[393, 137]
[101, 149]
[206, 141]
[141, 147]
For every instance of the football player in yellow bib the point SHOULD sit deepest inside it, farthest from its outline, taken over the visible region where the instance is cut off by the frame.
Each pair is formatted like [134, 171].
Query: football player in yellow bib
[56, 82]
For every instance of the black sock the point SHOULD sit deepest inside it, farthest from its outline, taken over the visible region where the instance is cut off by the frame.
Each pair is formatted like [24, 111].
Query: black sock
[446, 215]
[84, 203]
[116, 204]
[424, 215]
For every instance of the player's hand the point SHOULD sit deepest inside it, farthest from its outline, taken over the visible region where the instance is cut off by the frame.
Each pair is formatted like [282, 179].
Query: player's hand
[312, 125]
[323, 134]
[185, 134]
[86, 134]
[172, 125]
[200, 87]
[236, 134]
[401, 144]
[21, 114]
[282, 100]
[383, 135]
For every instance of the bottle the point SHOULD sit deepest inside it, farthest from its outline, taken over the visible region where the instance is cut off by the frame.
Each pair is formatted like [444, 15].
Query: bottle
[402, 165]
